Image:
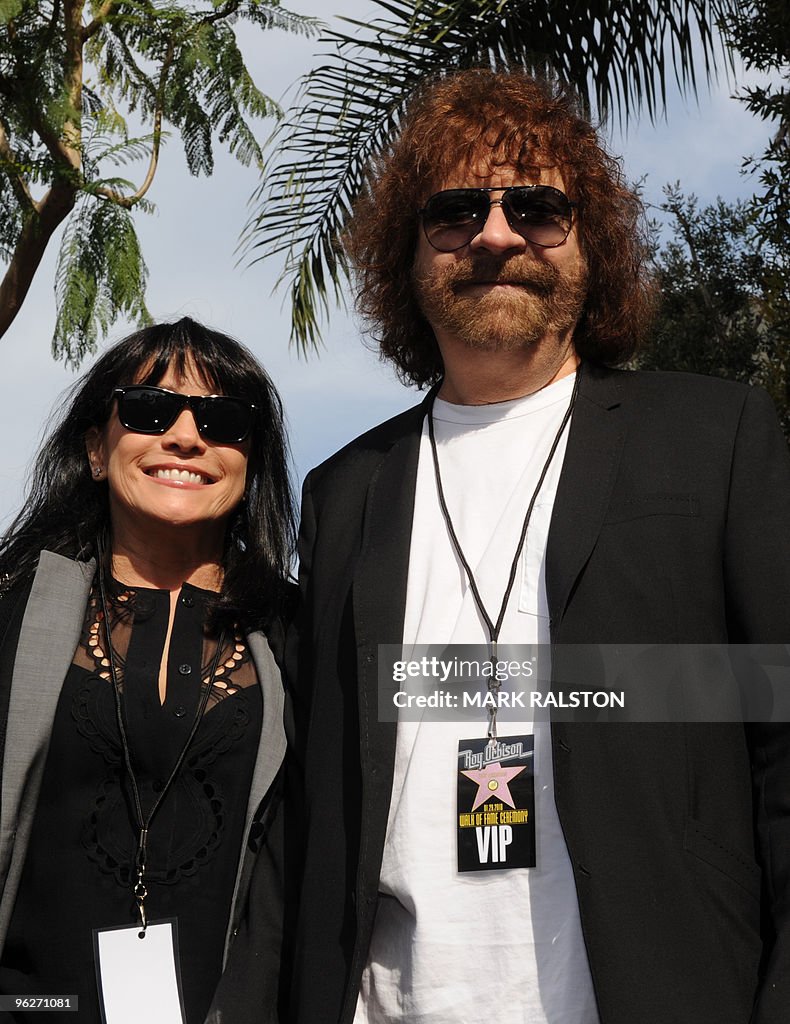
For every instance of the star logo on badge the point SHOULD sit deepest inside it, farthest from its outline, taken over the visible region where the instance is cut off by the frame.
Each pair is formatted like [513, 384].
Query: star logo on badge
[493, 781]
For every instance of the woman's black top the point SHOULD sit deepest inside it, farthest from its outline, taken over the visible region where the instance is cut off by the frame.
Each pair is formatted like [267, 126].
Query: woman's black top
[78, 871]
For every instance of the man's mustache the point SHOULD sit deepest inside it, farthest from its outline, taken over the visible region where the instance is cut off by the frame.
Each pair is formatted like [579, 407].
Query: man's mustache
[526, 271]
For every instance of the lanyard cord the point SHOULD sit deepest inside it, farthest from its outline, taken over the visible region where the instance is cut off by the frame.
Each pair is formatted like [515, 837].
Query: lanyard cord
[494, 627]
[143, 821]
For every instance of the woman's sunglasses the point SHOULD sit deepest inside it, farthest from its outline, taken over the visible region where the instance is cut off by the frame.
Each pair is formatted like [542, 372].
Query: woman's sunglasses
[539, 213]
[145, 409]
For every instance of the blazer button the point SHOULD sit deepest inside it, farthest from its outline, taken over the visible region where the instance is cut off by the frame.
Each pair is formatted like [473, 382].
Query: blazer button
[184, 669]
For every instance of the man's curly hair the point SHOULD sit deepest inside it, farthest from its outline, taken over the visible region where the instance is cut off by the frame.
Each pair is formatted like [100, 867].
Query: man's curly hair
[494, 119]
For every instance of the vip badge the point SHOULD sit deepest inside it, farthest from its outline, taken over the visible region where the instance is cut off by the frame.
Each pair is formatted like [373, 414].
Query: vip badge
[496, 804]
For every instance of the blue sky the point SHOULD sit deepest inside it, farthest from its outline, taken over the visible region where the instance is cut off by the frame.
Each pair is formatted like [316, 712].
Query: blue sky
[190, 245]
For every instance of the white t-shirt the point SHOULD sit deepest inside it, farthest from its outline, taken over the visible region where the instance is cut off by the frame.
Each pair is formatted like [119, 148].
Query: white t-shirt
[504, 946]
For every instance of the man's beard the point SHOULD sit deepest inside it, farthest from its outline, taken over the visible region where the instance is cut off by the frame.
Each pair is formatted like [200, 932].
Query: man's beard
[544, 301]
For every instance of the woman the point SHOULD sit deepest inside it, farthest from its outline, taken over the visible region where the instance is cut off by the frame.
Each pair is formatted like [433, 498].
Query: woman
[140, 701]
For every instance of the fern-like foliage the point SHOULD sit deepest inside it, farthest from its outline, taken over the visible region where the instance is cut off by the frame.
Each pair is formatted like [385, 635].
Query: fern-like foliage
[760, 32]
[71, 74]
[100, 274]
[723, 298]
[619, 56]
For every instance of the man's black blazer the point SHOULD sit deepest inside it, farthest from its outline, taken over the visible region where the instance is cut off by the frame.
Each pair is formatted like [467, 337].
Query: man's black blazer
[671, 525]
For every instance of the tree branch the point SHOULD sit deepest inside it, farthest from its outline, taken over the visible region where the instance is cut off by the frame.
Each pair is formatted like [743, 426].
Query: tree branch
[52, 28]
[127, 202]
[93, 27]
[41, 221]
[18, 183]
[221, 13]
[57, 148]
[65, 149]
[38, 229]
[72, 77]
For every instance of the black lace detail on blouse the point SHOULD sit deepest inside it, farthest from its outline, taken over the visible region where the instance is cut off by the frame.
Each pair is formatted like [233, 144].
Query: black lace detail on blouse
[198, 800]
[131, 606]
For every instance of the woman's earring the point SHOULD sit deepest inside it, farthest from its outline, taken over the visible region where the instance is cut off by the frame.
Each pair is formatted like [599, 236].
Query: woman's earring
[97, 471]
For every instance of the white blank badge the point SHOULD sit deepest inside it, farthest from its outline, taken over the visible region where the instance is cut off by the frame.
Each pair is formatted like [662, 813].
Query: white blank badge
[138, 978]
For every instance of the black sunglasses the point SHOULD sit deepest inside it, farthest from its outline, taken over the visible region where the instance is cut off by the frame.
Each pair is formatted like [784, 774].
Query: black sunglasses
[539, 213]
[145, 409]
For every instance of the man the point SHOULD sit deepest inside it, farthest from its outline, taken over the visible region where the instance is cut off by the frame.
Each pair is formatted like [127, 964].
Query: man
[500, 260]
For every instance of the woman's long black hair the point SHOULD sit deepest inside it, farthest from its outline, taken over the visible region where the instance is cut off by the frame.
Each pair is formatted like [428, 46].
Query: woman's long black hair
[66, 511]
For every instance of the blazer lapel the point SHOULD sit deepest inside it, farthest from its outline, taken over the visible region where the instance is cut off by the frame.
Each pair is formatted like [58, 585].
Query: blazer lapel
[588, 473]
[271, 751]
[382, 570]
[379, 604]
[47, 641]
